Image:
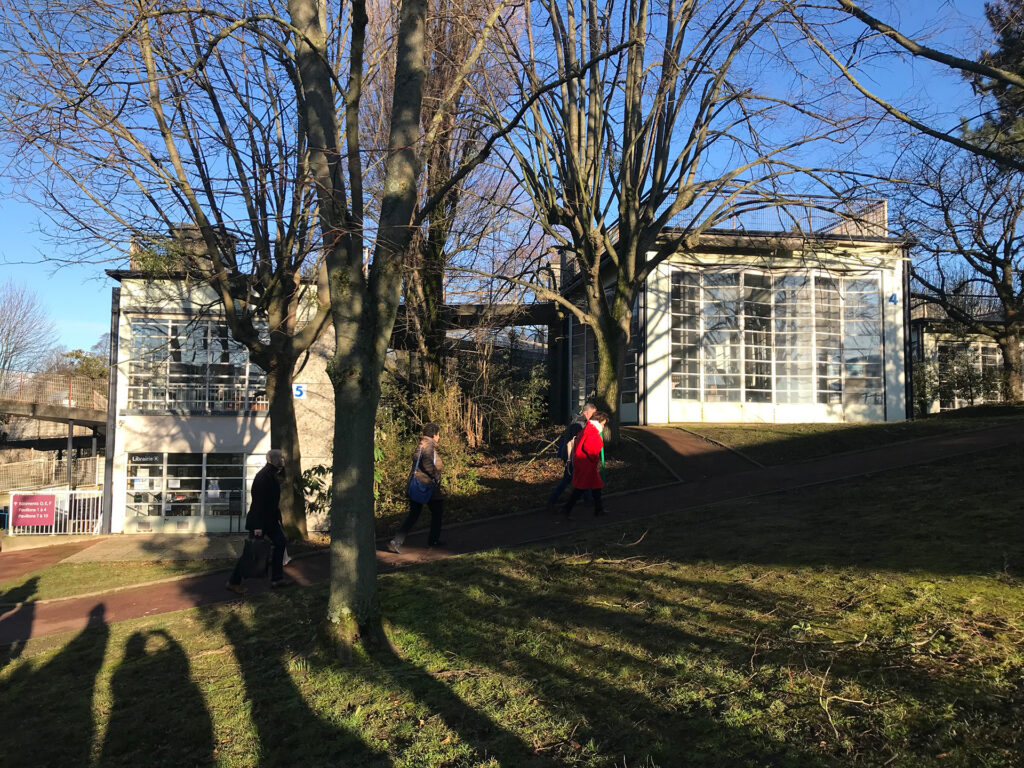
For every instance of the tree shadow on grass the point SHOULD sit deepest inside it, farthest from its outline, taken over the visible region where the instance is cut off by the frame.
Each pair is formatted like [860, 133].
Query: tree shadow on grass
[16, 621]
[651, 688]
[478, 733]
[159, 716]
[48, 718]
[289, 731]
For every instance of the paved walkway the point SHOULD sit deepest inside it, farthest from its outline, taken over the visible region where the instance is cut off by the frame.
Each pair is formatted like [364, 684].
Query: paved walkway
[35, 619]
[19, 562]
[160, 547]
[689, 456]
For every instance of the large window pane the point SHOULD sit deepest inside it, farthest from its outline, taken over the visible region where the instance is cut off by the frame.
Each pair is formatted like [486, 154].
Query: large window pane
[862, 342]
[190, 366]
[685, 350]
[789, 338]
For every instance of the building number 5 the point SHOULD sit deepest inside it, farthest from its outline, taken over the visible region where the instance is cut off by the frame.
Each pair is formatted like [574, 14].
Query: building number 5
[300, 390]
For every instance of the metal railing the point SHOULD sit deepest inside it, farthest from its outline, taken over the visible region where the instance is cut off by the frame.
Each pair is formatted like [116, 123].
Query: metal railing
[57, 389]
[49, 472]
[55, 512]
[195, 398]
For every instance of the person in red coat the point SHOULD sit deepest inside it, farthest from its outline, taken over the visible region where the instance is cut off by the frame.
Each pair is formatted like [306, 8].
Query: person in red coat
[586, 473]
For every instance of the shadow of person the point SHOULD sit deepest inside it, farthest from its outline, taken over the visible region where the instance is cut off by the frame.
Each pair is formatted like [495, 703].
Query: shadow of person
[285, 724]
[17, 613]
[152, 682]
[52, 723]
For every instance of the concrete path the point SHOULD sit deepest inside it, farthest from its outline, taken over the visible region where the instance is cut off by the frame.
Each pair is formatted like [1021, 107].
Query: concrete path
[36, 619]
[689, 456]
[21, 562]
[160, 546]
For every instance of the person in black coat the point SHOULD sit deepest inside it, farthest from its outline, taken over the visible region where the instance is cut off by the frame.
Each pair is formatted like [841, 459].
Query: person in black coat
[264, 519]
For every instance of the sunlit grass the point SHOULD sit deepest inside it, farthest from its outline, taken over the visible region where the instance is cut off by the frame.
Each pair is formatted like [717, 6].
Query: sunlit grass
[872, 622]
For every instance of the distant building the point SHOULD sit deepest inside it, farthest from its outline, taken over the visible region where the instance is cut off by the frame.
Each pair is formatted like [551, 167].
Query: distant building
[764, 326]
[967, 367]
[189, 423]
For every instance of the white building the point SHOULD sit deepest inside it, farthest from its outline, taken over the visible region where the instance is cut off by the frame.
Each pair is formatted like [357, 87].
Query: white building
[764, 327]
[188, 422]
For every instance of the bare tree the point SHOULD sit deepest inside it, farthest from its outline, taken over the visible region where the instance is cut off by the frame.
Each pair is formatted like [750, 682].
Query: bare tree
[467, 211]
[667, 133]
[365, 297]
[175, 128]
[26, 334]
[965, 215]
[824, 25]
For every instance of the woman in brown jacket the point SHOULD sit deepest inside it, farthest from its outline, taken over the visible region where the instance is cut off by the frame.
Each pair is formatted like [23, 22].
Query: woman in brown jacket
[427, 468]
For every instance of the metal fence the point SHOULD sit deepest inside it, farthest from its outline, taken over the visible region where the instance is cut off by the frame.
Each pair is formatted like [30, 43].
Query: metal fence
[47, 472]
[55, 512]
[58, 389]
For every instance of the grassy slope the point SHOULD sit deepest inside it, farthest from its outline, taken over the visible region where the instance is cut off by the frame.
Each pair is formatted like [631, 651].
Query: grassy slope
[878, 621]
[776, 444]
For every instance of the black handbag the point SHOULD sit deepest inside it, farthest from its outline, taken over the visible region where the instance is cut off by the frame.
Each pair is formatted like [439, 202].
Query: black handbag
[256, 558]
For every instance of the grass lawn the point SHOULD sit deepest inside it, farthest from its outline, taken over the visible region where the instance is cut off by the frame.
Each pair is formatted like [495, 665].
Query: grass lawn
[775, 444]
[874, 622]
[66, 579]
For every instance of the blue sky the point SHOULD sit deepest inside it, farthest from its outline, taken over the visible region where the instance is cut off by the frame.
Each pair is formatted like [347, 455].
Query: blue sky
[77, 297]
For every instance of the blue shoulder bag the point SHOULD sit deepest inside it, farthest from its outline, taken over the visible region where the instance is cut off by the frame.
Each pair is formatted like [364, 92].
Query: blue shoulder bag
[417, 490]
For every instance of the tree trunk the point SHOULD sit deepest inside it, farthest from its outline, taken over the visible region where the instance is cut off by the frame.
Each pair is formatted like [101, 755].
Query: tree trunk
[611, 342]
[284, 434]
[1009, 345]
[353, 610]
[432, 320]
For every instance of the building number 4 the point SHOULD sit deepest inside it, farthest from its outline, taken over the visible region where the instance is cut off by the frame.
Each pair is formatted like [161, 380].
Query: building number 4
[894, 299]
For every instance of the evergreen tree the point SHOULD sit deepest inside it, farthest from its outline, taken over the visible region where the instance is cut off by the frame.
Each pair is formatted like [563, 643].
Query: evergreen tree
[1003, 124]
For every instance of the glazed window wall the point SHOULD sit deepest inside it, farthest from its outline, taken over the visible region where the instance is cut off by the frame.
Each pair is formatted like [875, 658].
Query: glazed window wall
[746, 336]
[191, 366]
[957, 389]
[185, 484]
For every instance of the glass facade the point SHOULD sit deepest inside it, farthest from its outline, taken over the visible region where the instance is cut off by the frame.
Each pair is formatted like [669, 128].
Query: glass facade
[185, 484]
[191, 366]
[755, 337]
[970, 373]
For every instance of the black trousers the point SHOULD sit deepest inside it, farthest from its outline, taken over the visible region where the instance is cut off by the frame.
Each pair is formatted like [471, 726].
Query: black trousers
[577, 493]
[276, 536]
[436, 506]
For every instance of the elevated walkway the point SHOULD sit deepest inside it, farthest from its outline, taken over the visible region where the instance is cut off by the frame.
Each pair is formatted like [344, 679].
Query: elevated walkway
[54, 397]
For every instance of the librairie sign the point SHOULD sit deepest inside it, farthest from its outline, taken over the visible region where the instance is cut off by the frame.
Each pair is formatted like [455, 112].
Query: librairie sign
[37, 509]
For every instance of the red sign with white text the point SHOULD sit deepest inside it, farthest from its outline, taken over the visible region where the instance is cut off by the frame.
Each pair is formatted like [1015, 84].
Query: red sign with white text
[37, 509]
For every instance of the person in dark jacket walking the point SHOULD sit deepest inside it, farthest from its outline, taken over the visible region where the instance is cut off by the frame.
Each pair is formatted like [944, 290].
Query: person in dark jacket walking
[264, 519]
[426, 467]
[568, 439]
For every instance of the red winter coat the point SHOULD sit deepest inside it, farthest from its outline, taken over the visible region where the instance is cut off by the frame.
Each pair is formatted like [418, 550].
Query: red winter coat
[586, 459]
